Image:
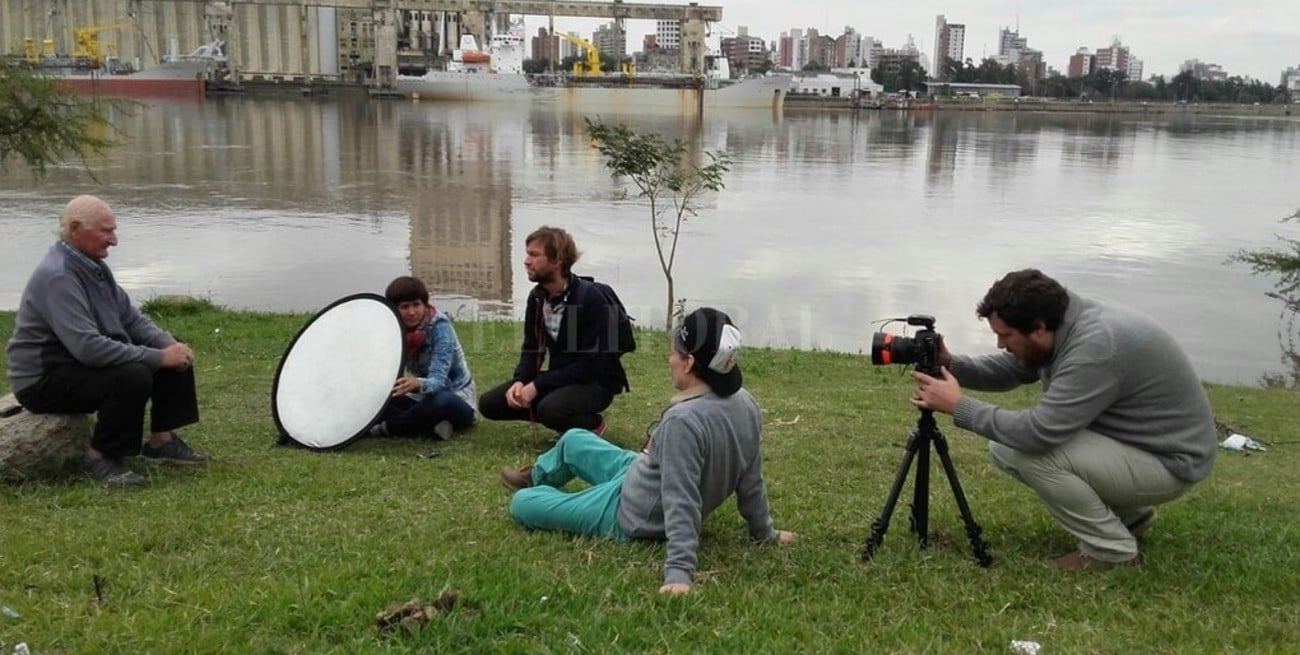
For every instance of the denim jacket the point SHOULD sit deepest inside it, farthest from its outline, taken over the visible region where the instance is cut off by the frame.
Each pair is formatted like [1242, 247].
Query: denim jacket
[440, 361]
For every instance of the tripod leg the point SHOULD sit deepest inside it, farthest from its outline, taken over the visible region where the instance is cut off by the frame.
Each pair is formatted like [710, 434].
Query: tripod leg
[979, 549]
[921, 493]
[880, 525]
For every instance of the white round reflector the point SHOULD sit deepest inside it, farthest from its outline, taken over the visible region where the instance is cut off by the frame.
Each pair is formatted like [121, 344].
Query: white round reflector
[336, 375]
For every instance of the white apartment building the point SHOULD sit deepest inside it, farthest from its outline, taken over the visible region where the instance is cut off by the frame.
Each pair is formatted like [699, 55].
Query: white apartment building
[949, 45]
[1291, 79]
[668, 34]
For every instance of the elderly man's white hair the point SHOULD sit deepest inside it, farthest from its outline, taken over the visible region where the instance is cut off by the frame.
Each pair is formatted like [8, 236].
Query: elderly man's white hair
[80, 210]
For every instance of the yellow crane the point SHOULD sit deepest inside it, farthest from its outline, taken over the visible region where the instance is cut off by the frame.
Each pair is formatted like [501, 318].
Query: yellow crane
[87, 45]
[584, 68]
[33, 55]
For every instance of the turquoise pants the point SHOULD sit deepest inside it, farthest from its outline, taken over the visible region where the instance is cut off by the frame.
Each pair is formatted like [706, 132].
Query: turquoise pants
[592, 511]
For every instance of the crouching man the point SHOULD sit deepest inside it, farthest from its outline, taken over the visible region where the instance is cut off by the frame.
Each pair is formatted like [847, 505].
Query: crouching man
[704, 448]
[1123, 423]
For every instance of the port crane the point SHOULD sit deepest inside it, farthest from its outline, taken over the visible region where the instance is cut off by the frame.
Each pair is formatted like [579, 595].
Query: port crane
[87, 46]
[581, 68]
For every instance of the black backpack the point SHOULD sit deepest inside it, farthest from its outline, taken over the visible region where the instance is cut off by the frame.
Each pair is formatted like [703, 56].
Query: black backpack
[626, 337]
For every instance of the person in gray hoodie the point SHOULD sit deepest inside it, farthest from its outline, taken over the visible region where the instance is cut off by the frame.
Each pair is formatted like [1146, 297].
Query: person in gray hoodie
[80, 346]
[703, 449]
[1123, 423]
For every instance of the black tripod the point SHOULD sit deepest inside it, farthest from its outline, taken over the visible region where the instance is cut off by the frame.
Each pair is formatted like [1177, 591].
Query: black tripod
[926, 432]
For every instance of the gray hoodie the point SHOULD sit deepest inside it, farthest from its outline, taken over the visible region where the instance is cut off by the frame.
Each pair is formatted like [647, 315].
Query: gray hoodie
[705, 449]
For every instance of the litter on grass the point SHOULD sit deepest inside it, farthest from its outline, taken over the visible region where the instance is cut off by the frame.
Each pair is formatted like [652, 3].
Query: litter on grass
[1025, 647]
[1240, 442]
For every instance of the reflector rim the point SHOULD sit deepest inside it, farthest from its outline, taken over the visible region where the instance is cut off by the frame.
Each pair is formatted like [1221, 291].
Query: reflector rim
[284, 357]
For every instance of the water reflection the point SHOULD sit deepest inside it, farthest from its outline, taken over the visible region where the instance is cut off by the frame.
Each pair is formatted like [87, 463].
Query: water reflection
[828, 221]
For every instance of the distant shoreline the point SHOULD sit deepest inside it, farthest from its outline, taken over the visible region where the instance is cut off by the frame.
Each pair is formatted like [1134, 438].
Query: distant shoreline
[1040, 105]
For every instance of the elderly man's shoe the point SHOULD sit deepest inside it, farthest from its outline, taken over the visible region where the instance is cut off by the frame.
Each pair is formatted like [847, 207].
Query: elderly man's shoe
[1078, 561]
[114, 473]
[516, 479]
[174, 451]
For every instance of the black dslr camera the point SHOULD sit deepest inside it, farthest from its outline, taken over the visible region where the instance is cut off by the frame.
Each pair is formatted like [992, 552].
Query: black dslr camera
[922, 349]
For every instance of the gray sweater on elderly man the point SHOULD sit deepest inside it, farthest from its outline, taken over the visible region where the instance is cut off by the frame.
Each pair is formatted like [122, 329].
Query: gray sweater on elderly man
[73, 311]
[704, 449]
[1113, 371]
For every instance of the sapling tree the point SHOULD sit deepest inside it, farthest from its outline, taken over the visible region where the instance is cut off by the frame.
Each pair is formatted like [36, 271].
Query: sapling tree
[1284, 263]
[667, 178]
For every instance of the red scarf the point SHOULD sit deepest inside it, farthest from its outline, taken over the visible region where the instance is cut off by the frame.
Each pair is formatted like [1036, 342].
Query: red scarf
[415, 336]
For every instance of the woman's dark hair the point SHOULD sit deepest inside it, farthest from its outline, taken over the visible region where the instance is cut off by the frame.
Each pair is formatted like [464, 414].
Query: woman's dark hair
[406, 289]
[1023, 298]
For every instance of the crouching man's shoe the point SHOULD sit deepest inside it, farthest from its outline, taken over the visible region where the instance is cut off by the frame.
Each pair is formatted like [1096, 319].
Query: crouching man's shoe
[1078, 561]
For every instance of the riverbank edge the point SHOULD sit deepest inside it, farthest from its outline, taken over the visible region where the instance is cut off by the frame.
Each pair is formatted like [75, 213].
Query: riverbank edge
[1040, 105]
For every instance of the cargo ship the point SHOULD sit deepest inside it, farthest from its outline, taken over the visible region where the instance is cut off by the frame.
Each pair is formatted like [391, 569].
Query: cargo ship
[496, 75]
[176, 76]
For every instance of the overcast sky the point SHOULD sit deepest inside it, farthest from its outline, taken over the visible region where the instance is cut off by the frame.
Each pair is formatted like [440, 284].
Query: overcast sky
[1258, 38]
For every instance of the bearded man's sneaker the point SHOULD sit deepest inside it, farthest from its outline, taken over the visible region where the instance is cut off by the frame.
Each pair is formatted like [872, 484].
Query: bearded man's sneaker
[1078, 561]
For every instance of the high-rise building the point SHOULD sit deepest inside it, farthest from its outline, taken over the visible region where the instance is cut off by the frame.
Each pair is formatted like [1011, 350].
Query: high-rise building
[1203, 71]
[1010, 41]
[821, 49]
[546, 46]
[1014, 49]
[949, 45]
[1082, 63]
[1133, 72]
[668, 34]
[848, 49]
[569, 48]
[1291, 79]
[744, 52]
[611, 40]
[792, 50]
[1114, 58]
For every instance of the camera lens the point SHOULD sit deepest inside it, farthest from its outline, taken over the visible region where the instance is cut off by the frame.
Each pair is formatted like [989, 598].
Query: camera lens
[887, 348]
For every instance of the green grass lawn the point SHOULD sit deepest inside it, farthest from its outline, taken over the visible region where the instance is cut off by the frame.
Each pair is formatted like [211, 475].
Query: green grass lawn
[281, 550]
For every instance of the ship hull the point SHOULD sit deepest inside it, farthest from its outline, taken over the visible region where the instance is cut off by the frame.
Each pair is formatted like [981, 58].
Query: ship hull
[124, 86]
[767, 93]
[171, 79]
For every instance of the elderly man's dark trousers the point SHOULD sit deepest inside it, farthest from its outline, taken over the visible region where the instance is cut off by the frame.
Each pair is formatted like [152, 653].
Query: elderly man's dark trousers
[118, 395]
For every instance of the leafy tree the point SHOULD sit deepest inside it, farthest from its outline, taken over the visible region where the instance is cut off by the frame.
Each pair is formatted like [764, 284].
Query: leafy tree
[815, 67]
[665, 178]
[43, 125]
[989, 72]
[910, 76]
[1285, 264]
[536, 66]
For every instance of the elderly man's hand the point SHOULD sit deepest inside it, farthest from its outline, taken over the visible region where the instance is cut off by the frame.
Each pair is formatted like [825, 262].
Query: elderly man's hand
[940, 394]
[178, 356]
